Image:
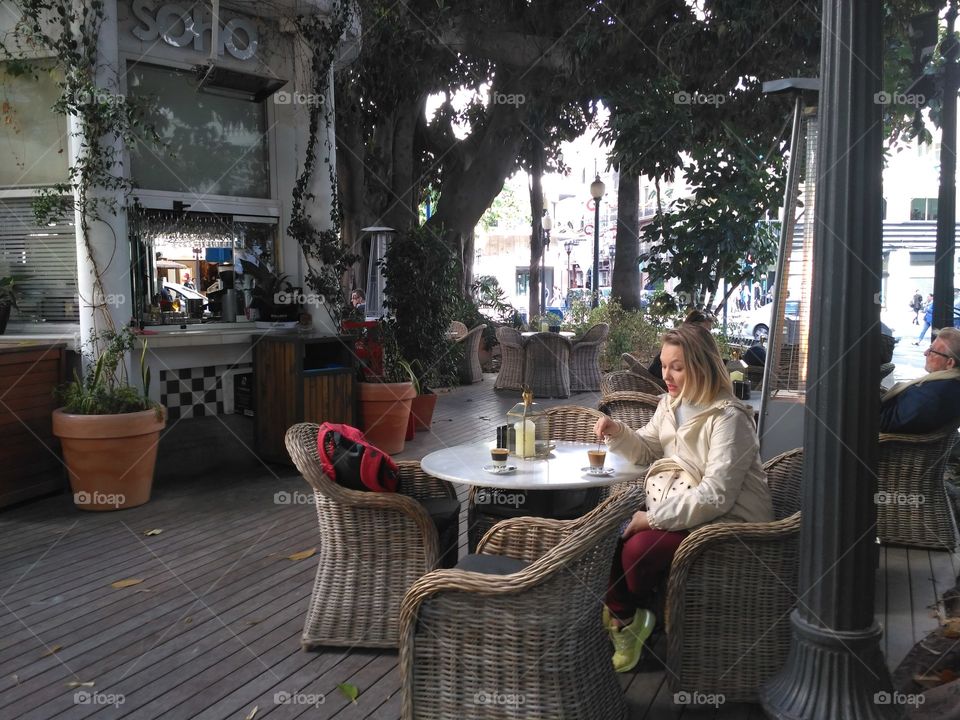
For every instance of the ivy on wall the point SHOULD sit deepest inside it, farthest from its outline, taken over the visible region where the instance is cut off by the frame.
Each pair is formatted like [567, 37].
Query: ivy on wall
[68, 32]
[327, 259]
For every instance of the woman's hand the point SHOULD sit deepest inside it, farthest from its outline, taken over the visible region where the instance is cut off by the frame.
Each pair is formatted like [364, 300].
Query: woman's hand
[606, 427]
[637, 523]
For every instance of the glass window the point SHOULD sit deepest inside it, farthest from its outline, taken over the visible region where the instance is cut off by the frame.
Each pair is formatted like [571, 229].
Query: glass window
[33, 149]
[523, 282]
[195, 256]
[215, 144]
[923, 209]
[43, 260]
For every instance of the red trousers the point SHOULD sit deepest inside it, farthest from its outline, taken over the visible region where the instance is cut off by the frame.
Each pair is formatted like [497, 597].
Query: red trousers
[640, 564]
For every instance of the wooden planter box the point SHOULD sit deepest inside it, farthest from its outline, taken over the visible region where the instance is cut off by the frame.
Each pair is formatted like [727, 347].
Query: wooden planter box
[29, 453]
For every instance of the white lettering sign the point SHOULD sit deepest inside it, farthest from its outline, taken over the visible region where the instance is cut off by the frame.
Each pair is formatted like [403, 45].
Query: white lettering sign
[180, 27]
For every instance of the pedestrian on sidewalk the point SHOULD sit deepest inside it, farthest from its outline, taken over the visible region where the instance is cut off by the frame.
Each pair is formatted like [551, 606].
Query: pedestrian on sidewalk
[927, 318]
[916, 304]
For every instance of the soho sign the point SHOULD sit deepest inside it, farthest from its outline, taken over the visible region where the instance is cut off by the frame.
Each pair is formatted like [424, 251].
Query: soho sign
[181, 27]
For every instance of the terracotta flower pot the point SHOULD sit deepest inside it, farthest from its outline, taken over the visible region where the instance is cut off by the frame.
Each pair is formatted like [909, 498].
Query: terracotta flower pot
[110, 458]
[385, 412]
[422, 409]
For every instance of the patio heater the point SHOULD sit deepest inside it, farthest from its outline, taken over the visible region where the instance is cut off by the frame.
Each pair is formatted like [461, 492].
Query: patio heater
[785, 372]
[596, 192]
[380, 238]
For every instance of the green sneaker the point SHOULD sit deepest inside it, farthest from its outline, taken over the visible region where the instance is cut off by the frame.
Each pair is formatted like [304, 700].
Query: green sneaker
[628, 641]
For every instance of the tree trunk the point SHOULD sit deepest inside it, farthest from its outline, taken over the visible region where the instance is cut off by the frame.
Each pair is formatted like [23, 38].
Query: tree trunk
[469, 187]
[536, 229]
[351, 180]
[402, 204]
[626, 268]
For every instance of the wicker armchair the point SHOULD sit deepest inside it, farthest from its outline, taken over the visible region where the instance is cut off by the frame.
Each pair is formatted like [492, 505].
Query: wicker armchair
[634, 409]
[470, 370]
[372, 547]
[585, 359]
[912, 504]
[628, 361]
[729, 596]
[457, 329]
[635, 365]
[620, 380]
[512, 350]
[534, 634]
[567, 422]
[547, 365]
[573, 423]
[637, 360]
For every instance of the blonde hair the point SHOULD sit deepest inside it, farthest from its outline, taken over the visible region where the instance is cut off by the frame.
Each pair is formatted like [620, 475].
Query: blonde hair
[706, 374]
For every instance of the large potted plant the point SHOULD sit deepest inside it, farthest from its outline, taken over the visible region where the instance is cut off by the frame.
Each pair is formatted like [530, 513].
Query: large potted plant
[8, 300]
[109, 430]
[421, 291]
[386, 391]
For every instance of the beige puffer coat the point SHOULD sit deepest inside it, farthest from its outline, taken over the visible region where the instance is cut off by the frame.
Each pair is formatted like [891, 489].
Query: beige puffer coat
[720, 445]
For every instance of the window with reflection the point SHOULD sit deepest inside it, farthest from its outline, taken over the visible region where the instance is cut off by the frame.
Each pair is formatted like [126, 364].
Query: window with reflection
[215, 140]
[33, 138]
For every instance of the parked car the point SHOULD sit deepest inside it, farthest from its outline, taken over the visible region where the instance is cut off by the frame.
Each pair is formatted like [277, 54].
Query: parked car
[756, 323]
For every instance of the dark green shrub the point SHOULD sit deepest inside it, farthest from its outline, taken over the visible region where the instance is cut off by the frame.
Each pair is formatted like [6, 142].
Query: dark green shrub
[421, 292]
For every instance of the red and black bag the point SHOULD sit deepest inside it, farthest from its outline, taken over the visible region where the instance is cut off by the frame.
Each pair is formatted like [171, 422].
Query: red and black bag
[349, 460]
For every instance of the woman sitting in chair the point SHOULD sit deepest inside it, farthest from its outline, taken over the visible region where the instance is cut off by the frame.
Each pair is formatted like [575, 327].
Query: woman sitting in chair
[708, 470]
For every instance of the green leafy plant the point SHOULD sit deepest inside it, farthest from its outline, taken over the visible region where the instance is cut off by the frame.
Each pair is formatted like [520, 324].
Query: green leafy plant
[270, 292]
[396, 368]
[631, 331]
[104, 389]
[8, 292]
[488, 305]
[421, 292]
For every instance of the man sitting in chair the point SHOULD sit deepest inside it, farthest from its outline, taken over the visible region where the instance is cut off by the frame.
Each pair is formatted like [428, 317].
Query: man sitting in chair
[929, 402]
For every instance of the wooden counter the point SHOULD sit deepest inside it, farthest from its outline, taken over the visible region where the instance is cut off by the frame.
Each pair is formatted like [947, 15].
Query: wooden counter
[29, 454]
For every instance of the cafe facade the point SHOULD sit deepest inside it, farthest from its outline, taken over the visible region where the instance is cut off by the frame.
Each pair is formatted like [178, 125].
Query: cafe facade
[228, 92]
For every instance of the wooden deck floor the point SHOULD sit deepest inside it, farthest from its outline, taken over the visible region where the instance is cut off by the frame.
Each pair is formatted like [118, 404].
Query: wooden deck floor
[212, 631]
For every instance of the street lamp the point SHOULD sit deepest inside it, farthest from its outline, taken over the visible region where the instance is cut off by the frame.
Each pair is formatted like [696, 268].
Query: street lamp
[596, 192]
[568, 246]
[546, 224]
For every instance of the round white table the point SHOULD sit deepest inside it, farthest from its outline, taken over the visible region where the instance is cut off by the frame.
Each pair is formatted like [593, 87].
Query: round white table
[563, 333]
[561, 471]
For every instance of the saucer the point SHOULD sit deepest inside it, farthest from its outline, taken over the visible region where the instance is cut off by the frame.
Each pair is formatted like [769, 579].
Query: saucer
[497, 470]
[598, 472]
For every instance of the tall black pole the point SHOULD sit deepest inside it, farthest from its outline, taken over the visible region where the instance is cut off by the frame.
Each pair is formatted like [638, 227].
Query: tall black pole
[596, 252]
[947, 201]
[835, 668]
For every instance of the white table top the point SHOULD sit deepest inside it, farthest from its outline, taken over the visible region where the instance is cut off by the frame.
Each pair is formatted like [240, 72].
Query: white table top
[561, 471]
[562, 333]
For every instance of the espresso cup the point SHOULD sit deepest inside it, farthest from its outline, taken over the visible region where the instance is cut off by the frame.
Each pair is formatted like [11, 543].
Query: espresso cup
[499, 456]
[596, 458]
